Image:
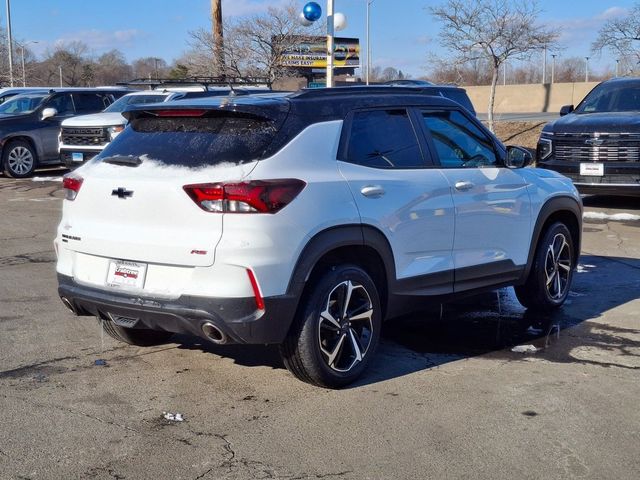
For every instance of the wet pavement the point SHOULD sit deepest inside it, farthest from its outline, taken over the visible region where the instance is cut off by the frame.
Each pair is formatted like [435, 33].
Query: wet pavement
[480, 388]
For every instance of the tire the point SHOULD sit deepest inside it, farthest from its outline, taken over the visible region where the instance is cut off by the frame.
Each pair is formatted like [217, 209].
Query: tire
[551, 274]
[19, 159]
[141, 337]
[325, 347]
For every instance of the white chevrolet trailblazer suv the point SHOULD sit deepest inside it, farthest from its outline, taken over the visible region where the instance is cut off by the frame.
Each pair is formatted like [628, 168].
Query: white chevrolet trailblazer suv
[305, 220]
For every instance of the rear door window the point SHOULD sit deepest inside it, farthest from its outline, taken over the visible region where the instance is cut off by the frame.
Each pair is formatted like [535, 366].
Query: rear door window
[215, 138]
[384, 139]
[90, 102]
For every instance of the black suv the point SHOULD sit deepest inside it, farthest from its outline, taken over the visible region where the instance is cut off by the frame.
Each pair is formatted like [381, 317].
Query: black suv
[30, 123]
[597, 144]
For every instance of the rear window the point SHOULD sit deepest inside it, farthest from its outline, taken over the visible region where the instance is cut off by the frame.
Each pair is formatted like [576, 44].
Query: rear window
[219, 137]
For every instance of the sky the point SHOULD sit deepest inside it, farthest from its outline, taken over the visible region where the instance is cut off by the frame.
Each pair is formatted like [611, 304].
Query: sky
[402, 31]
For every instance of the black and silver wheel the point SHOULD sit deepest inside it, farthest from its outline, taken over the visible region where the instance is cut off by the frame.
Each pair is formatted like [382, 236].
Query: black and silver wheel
[337, 329]
[19, 159]
[550, 279]
[141, 337]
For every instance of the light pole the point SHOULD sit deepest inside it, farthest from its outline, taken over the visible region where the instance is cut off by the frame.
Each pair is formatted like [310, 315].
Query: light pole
[22, 45]
[155, 61]
[60, 71]
[553, 67]
[369, 2]
[586, 69]
[330, 43]
[10, 42]
[617, 67]
[544, 65]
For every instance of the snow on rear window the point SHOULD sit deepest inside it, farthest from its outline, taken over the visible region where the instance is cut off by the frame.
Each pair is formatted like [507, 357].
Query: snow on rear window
[194, 141]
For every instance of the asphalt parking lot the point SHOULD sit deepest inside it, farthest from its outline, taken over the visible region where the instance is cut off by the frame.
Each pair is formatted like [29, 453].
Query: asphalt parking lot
[446, 397]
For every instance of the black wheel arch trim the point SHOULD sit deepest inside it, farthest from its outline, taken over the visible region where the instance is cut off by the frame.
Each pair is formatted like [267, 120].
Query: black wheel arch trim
[336, 237]
[549, 208]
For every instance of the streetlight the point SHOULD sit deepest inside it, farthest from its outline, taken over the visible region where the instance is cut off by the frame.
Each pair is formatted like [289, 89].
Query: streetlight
[617, 67]
[22, 45]
[544, 65]
[156, 60]
[10, 42]
[369, 2]
[586, 69]
[553, 67]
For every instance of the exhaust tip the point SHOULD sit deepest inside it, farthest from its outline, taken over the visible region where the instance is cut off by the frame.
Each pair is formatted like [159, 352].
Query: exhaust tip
[67, 303]
[213, 333]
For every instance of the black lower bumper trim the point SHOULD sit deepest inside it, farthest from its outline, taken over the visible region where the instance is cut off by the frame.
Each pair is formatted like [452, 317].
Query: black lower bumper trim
[238, 318]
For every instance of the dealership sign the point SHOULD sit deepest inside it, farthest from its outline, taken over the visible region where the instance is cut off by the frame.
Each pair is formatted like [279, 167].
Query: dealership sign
[311, 53]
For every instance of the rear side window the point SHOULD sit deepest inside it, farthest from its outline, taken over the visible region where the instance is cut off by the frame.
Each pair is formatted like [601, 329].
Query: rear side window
[90, 102]
[218, 137]
[383, 139]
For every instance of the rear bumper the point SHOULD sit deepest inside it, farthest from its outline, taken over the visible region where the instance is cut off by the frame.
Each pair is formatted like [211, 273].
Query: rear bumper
[238, 318]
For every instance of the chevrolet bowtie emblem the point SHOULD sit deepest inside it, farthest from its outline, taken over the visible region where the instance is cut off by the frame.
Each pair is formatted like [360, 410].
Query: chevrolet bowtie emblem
[594, 141]
[122, 192]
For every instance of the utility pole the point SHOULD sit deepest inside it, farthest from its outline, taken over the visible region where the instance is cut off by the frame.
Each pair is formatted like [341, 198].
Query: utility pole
[330, 43]
[369, 2]
[10, 42]
[544, 65]
[553, 67]
[586, 69]
[218, 38]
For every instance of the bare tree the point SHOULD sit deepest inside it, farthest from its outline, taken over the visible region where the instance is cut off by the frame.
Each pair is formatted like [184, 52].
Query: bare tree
[253, 45]
[621, 36]
[492, 30]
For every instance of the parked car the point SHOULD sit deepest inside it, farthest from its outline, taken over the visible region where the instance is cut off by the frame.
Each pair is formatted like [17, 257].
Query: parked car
[305, 220]
[30, 123]
[453, 92]
[8, 92]
[597, 144]
[85, 136]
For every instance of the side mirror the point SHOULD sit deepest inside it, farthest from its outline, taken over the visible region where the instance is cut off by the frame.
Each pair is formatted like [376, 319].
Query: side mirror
[48, 113]
[566, 110]
[518, 157]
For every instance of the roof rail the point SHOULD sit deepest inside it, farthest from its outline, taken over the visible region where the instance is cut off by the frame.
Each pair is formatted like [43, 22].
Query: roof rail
[204, 81]
[374, 89]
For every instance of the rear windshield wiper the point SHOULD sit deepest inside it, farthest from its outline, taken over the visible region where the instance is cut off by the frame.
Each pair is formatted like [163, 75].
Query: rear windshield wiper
[125, 160]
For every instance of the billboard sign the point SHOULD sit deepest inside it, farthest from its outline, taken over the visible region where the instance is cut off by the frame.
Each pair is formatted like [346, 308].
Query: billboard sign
[311, 53]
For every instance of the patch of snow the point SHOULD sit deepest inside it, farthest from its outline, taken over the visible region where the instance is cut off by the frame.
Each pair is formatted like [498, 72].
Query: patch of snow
[524, 349]
[616, 217]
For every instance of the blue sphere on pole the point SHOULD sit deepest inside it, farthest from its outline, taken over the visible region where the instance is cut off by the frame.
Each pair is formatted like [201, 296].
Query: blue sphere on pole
[312, 11]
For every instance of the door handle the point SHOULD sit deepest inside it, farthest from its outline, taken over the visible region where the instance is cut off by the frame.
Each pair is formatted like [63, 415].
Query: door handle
[464, 186]
[372, 191]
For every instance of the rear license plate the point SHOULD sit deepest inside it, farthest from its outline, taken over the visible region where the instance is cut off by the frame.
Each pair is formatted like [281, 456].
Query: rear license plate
[592, 169]
[77, 157]
[126, 274]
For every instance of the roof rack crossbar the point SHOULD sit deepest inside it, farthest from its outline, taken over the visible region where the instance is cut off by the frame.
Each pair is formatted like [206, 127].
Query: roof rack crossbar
[204, 81]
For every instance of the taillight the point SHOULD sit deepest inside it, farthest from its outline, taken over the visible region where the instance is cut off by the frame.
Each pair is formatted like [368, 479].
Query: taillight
[71, 185]
[183, 112]
[256, 290]
[261, 196]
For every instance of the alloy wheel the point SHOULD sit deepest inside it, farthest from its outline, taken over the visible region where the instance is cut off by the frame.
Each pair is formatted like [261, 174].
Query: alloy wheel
[20, 160]
[345, 326]
[557, 267]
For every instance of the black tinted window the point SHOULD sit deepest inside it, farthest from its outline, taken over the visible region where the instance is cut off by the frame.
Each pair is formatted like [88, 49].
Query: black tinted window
[383, 139]
[62, 103]
[90, 102]
[612, 97]
[459, 143]
[194, 141]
